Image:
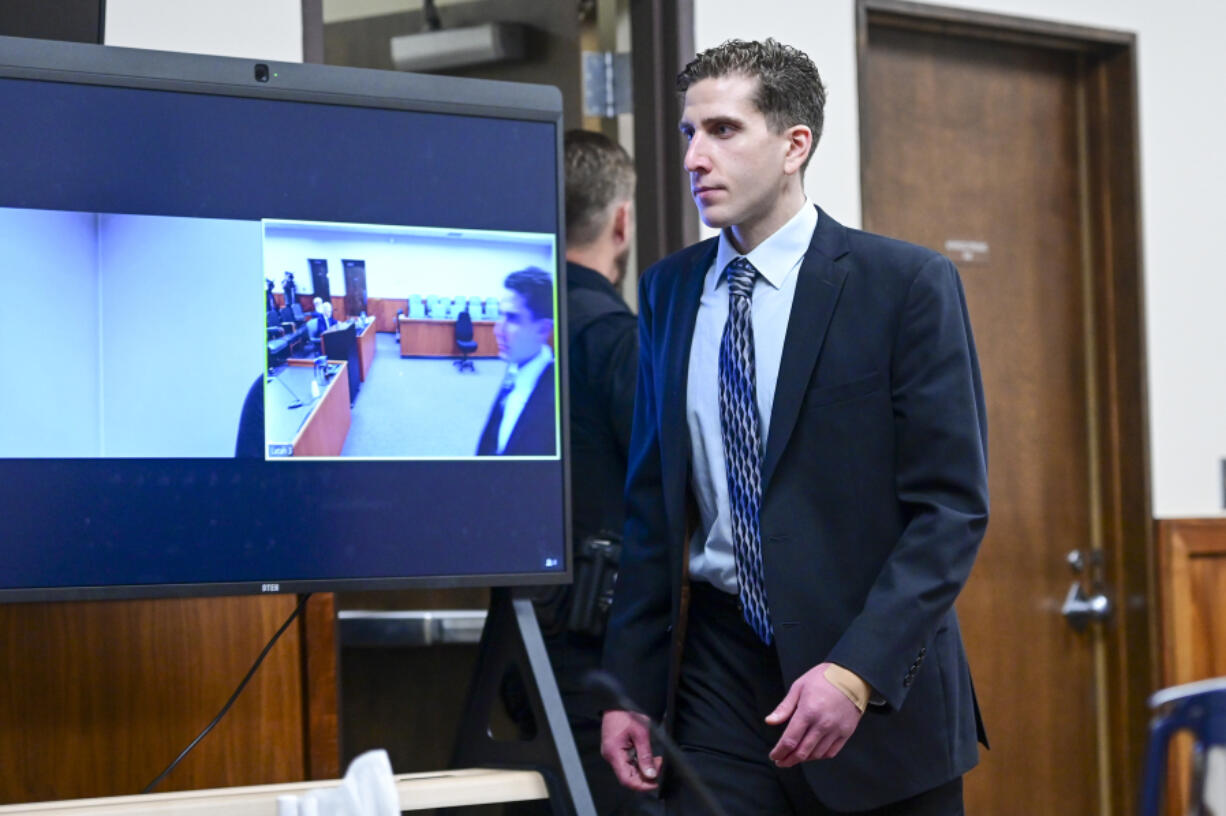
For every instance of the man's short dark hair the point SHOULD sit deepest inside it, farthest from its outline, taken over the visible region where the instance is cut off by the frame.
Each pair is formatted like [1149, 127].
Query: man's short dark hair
[599, 173]
[535, 286]
[790, 90]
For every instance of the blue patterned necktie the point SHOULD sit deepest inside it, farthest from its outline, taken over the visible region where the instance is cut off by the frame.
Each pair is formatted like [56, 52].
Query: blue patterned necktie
[742, 438]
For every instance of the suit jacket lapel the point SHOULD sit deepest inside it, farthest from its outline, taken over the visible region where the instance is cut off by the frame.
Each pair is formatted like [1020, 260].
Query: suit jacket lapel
[817, 291]
[683, 313]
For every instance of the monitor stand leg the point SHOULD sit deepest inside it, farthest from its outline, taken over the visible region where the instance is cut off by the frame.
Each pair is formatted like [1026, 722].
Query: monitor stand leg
[512, 651]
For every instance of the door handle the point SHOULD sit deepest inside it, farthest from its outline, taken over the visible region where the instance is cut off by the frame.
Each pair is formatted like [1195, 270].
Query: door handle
[1078, 560]
[1080, 609]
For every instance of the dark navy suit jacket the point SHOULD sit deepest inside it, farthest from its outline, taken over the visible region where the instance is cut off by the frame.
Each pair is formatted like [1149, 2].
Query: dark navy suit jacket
[874, 501]
[535, 432]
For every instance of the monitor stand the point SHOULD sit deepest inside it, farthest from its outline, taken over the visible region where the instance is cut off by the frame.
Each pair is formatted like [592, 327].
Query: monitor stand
[512, 665]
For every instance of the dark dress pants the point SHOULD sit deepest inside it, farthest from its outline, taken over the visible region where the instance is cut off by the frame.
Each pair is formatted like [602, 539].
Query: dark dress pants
[730, 681]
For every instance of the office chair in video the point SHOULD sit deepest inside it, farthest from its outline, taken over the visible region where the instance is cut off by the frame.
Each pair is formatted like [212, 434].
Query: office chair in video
[464, 342]
[315, 326]
[1197, 707]
[281, 339]
[296, 332]
[491, 308]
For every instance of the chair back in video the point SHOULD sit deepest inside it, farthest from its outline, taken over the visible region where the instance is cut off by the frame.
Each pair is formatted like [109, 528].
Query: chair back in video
[476, 308]
[1201, 709]
[417, 309]
[491, 308]
[285, 334]
[464, 342]
[434, 306]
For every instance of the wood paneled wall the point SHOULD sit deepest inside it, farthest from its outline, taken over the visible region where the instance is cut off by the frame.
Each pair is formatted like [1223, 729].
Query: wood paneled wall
[1192, 592]
[384, 311]
[96, 698]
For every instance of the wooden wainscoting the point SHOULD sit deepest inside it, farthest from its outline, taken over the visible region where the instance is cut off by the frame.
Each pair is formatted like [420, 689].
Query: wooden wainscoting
[1192, 592]
[96, 698]
[384, 311]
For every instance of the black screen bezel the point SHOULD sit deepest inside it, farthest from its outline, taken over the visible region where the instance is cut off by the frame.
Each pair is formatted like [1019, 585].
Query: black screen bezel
[84, 64]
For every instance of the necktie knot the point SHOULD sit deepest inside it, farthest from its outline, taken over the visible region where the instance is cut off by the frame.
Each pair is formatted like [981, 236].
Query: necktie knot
[508, 383]
[741, 275]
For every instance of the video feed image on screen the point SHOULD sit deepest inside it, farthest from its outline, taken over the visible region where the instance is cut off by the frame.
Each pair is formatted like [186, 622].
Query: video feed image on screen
[389, 342]
[175, 339]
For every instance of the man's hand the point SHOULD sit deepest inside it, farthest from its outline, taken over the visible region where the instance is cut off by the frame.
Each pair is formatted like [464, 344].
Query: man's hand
[820, 720]
[625, 743]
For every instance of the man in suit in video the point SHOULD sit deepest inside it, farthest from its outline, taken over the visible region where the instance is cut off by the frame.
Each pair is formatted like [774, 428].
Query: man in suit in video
[807, 486]
[522, 420]
[326, 319]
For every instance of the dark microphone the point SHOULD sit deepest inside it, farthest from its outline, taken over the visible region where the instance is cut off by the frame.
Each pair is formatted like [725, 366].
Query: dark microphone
[297, 403]
[610, 695]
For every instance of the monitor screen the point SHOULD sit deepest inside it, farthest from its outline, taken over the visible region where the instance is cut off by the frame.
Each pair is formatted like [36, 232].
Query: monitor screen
[276, 327]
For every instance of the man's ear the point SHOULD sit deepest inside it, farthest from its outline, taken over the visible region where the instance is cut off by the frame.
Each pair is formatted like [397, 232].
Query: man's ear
[622, 224]
[545, 327]
[800, 145]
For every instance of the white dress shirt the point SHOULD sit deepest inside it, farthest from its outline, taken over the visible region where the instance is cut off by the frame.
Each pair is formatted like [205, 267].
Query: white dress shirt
[777, 260]
[525, 376]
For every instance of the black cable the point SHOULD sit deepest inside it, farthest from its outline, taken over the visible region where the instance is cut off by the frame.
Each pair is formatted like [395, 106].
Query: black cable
[302, 603]
[297, 403]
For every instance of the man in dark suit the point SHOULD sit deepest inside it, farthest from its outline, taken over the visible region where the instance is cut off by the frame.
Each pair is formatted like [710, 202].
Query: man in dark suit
[522, 419]
[807, 484]
[326, 319]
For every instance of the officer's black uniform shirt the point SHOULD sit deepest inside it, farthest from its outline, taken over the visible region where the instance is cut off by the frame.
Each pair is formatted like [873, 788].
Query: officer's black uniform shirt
[603, 343]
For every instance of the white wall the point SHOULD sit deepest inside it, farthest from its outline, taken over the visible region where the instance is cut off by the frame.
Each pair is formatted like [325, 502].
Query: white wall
[182, 333]
[398, 265]
[112, 348]
[259, 29]
[49, 338]
[1182, 98]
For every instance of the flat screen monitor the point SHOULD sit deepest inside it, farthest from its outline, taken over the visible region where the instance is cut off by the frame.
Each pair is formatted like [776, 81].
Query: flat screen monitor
[231, 299]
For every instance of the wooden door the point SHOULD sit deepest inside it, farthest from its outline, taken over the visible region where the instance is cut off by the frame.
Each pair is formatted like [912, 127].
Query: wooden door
[979, 147]
[355, 287]
[320, 286]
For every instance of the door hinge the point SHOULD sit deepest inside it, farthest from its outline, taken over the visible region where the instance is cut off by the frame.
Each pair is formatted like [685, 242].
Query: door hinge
[606, 84]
